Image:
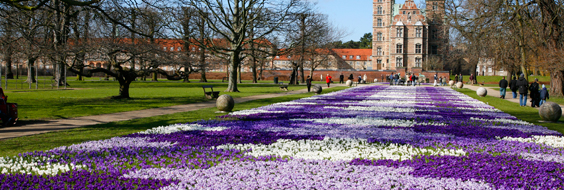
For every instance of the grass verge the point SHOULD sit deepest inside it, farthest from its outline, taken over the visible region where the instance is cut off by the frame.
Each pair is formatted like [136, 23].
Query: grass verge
[47, 141]
[527, 113]
[93, 97]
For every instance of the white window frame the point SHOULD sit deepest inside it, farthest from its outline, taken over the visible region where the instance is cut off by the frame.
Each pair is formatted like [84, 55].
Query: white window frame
[399, 32]
[399, 61]
[418, 48]
[399, 48]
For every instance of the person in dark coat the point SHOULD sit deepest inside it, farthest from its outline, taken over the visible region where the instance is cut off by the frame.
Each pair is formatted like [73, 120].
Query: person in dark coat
[535, 96]
[351, 77]
[359, 79]
[460, 78]
[392, 79]
[543, 95]
[456, 78]
[523, 86]
[502, 87]
[341, 78]
[308, 83]
[513, 87]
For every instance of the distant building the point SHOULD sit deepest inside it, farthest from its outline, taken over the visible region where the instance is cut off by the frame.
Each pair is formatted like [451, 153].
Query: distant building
[487, 67]
[405, 36]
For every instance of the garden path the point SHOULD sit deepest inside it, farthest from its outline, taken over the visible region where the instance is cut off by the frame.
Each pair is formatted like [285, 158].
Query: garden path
[508, 95]
[61, 124]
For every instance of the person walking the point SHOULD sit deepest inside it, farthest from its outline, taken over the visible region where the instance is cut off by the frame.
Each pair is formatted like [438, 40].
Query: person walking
[513, 86]
[535, 96]
[502, 88]
[543, 95]
[413, 79]
[341, 78]
[456, 78]
[308, 83]
[396, 78]
[523, 86]
[328, 80]
[359, 79]
[392, 79]
[460, 78]
[435, 78]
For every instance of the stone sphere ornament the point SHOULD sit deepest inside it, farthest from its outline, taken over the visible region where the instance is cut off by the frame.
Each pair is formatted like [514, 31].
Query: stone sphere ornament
[482, 92]
[375, 80]
[225, 103]
[317, 89]
[459, 85]
[349, 83]
[550, 111]
[451, 83]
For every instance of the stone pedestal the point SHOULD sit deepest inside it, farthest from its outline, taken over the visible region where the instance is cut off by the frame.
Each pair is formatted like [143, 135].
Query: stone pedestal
[317, 89]
[459, 85]
[349, 83]
[483, 92]
[225, 103]
[550, 111]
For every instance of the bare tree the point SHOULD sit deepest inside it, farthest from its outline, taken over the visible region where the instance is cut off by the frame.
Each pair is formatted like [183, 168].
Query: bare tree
[232, 19]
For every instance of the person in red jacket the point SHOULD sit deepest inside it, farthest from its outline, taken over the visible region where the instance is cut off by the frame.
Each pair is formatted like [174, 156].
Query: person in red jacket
[328, 79]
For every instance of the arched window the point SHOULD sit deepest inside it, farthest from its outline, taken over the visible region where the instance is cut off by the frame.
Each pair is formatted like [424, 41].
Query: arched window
[399, 62]
[379, 10]
[417, 48]
[399, 48]
[379, 51]
[418, 62]
[379, 22]
[379, 37]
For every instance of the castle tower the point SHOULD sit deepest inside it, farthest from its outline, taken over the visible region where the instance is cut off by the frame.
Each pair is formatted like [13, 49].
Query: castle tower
[438, 33]
[382, 20]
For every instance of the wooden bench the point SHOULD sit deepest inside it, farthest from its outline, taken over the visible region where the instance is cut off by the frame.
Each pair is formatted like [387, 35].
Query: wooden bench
[211, 94]
[283, 86]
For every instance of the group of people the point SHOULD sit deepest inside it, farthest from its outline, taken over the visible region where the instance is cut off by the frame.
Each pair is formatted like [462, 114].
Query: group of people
[521, 86]
[439, 81]
[410, 79]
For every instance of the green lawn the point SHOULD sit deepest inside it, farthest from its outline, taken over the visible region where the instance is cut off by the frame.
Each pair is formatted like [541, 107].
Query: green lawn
[46, 141]
[527, 113]
[84, 98]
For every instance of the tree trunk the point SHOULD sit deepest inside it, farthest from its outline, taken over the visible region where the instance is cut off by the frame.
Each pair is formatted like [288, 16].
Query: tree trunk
[30, 72]
[261, 69]
[239, 74]
[254, 70]
[154, 76]
[9, 73]
[311, 72]
[123, 90]
[233, 66]
[557, 83]
[203, 66]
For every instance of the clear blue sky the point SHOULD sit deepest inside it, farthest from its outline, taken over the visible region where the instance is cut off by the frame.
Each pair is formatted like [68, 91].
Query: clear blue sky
[353, 16]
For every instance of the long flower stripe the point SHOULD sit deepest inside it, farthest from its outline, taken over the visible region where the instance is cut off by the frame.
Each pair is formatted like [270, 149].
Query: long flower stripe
[371, 137]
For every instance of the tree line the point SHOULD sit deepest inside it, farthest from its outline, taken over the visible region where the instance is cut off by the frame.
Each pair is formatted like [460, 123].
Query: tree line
[522, 36]
[127, 36]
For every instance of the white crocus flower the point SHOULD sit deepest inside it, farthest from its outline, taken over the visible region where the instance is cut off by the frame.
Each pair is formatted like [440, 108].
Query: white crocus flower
[339, 149]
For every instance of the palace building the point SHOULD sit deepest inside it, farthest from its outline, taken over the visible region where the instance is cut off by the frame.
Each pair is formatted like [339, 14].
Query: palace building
[405, 36]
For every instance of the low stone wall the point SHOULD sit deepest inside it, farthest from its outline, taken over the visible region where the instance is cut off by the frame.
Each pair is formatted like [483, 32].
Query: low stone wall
[284, 75]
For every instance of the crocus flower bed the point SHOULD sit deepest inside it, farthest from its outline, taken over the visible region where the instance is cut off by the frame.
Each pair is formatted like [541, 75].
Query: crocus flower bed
[375, 137]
